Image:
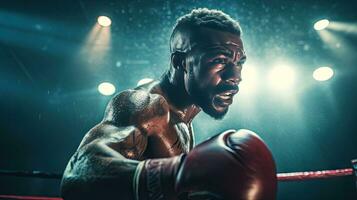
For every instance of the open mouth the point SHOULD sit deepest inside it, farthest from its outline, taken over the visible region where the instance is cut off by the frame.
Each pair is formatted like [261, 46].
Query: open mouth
[224, 99]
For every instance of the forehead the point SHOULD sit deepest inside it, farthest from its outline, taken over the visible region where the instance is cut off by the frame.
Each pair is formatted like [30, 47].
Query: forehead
[206, 39]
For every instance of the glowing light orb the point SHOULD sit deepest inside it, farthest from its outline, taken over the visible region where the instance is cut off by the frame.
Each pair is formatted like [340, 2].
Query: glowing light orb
[321, 24]
[106, 88]
[104, 21]
[282, 77]
[144, 81]
[322, 73]
[249, 79]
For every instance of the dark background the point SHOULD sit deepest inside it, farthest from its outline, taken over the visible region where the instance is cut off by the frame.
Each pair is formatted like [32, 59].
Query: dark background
[49, 73]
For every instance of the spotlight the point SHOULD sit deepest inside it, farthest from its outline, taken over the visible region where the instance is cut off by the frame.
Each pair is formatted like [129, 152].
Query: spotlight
[321, 24]
[249, 79]
[322, 73]
[282, 77]
[144, 81]
[104, 21]
[106, 88]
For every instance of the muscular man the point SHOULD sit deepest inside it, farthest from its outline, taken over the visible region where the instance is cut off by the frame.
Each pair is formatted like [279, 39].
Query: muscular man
[144, 147]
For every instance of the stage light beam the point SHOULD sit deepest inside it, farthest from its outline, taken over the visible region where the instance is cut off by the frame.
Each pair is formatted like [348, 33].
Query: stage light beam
[106, 88]
[96, 47]
[321, 24]
[323, 73]
[104, 21]
[345, 27]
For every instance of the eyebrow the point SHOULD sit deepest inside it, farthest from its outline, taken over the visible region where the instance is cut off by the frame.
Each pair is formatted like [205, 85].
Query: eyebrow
[227, 52]
[220, 49]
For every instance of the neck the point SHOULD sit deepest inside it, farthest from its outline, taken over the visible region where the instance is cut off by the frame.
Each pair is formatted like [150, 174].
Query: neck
[178, 99]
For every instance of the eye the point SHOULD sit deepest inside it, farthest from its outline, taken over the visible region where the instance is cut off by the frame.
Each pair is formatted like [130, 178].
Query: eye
[240, 64]
[219, 61]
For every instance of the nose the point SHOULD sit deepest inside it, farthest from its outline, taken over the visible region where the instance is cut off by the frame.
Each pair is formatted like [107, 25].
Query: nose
[233, 74]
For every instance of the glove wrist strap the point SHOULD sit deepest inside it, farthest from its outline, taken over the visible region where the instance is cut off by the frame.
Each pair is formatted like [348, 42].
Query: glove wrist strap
[157, 179]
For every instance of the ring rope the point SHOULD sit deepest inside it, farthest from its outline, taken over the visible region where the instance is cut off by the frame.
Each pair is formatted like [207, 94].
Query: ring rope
[301, 176]
[291, 176]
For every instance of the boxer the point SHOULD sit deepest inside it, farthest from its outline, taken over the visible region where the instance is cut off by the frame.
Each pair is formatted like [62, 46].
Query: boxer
[144, 149]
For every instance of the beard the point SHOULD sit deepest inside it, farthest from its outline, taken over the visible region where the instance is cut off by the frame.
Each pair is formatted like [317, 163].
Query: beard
[205, 99]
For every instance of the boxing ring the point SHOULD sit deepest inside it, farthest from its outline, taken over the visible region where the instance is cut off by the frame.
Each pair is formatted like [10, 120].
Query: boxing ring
[282, 177]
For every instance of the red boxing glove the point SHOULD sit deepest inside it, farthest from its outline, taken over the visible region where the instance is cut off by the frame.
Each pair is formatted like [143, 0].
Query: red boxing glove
[233, 165]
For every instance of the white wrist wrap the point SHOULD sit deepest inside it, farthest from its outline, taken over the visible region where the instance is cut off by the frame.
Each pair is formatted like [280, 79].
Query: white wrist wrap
[137, 173]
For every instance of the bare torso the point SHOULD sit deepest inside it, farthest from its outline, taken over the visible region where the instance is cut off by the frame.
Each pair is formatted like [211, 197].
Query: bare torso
[162, 138]
[138, 124]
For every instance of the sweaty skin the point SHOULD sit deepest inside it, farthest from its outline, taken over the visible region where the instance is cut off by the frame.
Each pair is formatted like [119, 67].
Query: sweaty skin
[153, 120]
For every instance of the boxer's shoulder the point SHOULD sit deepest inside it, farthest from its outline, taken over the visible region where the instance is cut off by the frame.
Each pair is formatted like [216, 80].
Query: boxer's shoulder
[136, 106]
[130, 117]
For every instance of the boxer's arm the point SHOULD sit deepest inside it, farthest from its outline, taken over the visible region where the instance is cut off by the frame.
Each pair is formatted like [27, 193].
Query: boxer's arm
[104, 165]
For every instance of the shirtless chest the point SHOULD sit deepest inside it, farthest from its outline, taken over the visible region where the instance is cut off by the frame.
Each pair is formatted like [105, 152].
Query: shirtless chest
[176, 138]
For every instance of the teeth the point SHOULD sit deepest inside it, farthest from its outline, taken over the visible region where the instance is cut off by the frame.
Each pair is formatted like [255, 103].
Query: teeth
[224, 96]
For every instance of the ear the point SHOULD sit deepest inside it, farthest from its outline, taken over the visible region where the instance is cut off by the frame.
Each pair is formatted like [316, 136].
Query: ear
[178, 61]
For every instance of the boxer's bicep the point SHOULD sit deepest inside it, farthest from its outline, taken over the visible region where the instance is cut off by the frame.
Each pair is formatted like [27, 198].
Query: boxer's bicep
[105, 145]
[123, 133]
[104, 165]
[130, 118]
[130, 142]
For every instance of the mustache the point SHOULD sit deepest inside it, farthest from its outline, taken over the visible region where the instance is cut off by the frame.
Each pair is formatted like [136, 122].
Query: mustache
[225, 87]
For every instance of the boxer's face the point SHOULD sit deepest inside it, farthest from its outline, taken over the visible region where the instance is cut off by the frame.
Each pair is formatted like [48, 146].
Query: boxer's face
[214, 70]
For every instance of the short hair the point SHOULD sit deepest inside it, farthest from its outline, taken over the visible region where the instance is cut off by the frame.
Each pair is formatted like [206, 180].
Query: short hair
[209, 18]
